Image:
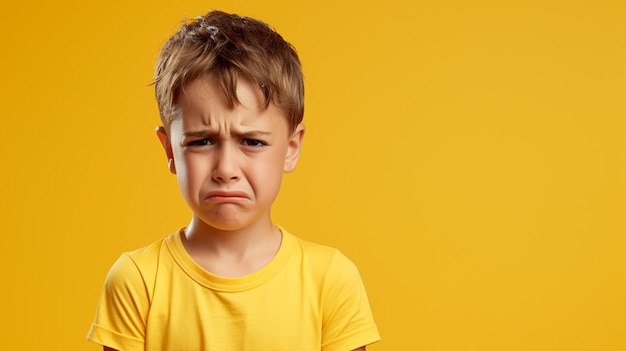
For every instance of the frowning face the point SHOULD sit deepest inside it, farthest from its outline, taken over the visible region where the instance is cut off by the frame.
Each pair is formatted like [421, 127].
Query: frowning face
[229, 160]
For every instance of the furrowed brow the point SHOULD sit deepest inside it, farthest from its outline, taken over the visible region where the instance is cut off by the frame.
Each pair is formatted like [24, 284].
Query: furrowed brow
[197, 134]
[211, 133]
[255, 133]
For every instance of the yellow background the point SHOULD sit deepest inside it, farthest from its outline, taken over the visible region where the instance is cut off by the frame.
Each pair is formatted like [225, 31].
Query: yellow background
[469, 156]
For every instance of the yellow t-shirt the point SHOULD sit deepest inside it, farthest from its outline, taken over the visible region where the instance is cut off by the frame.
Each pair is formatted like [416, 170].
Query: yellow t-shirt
[309, 297]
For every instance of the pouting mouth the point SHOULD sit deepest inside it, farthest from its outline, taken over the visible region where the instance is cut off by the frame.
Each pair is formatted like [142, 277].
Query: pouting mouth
[226, 194]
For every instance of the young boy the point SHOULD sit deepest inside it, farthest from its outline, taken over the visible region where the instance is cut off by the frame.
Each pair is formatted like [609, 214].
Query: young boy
[230, 95]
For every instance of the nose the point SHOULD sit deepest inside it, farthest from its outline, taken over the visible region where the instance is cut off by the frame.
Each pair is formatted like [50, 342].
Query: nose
[225, 168]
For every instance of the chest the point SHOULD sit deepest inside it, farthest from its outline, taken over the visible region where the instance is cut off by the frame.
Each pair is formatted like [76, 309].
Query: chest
[282, 313]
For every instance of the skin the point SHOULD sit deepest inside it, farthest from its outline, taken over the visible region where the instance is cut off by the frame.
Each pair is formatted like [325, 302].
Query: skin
[110, 349]
[229, 161]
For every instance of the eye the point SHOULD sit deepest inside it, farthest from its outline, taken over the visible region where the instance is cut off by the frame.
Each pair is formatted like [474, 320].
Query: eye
[253, 142]
[200, 142]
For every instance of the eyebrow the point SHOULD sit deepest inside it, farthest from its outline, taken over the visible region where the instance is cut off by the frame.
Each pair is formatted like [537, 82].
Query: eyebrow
[205, 133]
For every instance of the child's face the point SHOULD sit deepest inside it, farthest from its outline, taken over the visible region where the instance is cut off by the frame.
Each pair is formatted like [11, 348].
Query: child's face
[229, 161]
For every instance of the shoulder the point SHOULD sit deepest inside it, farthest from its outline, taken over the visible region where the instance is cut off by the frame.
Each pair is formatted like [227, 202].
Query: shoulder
[316, 250]
[148, 254]
[324, 253]
[125, 299]
[346, 317]
[135, 270]
[328, 261]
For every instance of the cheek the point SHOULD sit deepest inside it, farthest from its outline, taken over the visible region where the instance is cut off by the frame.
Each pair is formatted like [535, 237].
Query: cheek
[270, 169]
[191, 170]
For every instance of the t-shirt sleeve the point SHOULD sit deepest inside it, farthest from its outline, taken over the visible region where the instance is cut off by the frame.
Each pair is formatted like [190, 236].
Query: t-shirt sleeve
[347, 321]
[120, 321]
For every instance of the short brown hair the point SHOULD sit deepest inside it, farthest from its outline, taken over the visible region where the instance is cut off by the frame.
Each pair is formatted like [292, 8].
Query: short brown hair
[228, 47]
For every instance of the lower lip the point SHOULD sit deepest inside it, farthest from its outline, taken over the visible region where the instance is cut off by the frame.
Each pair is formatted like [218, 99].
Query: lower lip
[227, 199]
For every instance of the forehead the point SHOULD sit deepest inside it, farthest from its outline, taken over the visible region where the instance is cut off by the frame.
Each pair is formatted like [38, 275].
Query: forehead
[203, 102]
[211, 87]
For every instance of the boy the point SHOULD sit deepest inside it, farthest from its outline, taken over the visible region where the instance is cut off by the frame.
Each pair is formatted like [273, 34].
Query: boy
[230, 95]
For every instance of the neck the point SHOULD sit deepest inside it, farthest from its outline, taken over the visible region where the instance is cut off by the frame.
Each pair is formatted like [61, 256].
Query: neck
[242, 250]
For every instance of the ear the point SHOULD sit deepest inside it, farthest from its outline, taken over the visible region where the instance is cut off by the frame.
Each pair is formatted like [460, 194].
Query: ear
[293, 149]
[167, 147]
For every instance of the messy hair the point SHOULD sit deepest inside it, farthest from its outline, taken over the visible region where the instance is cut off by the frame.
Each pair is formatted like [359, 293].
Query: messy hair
[230, 47]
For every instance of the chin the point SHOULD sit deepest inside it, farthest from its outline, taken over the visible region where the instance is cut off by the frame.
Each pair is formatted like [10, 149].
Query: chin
[226, 224]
